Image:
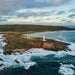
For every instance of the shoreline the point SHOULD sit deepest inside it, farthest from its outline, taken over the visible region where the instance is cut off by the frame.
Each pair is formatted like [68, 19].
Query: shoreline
[53, 45]
[32, 32]
[23, 59]
[50, 32]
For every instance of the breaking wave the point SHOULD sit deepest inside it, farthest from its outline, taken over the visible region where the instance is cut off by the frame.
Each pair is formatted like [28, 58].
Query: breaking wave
[67, 69]
[23, 59]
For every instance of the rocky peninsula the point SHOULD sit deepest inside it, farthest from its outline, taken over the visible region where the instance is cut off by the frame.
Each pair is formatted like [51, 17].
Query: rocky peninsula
[18, 43]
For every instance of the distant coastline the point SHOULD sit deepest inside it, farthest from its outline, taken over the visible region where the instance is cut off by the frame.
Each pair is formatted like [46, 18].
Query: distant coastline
[31, 28]
[70, 26]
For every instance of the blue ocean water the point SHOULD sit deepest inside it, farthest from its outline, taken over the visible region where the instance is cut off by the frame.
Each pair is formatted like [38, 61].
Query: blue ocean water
[41, 62]
[66, 36]
[71, 26]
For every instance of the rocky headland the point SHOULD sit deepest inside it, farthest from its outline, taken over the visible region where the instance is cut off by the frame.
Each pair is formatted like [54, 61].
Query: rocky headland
[18, 43]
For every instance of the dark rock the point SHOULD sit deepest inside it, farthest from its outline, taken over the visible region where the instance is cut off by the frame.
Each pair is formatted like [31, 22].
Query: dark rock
[1, 59]
[16, 61]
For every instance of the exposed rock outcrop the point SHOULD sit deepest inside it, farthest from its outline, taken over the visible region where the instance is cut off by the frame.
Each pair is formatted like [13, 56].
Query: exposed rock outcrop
[47, 45]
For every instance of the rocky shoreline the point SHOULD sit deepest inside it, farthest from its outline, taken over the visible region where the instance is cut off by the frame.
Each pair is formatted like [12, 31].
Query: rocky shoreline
[49, 44]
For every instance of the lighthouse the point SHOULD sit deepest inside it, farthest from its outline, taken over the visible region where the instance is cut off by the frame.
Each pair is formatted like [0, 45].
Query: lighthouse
[44, 38]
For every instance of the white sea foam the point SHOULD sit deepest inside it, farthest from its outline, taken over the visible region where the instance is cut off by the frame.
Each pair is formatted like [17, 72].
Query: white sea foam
[17, 58]
[1, 35]
[60, 54]
[67, 69]
[72, 46]
[24, 59]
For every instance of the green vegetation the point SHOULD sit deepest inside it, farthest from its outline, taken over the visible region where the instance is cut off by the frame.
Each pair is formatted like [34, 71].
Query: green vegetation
[17, 43]
[31, 28]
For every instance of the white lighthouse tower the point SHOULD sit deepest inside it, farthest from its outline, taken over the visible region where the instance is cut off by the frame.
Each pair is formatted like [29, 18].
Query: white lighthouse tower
[44, 38]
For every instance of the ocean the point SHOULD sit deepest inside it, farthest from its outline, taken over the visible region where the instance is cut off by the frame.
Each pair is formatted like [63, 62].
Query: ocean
[37, 61]
[71, 26]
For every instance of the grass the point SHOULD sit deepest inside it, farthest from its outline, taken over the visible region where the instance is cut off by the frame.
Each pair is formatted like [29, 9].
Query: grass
[31, 28]
[16, 42]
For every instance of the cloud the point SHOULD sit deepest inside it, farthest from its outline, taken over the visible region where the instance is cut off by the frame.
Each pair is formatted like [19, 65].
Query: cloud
[71, 16]
[63, 20]
[8, 7]
[66, 20]
[57, 18]
[32, 14]
[70, 21]
[2, 19]
[61, 12]
[60, 1]
[48, 19]
[72, 10]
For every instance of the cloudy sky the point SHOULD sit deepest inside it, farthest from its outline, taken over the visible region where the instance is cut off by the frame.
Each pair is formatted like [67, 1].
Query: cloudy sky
[47, 12]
